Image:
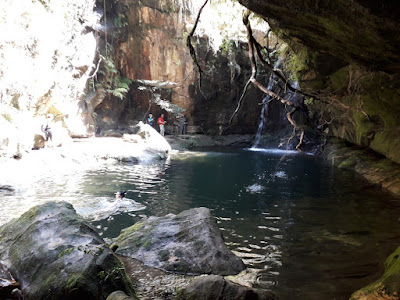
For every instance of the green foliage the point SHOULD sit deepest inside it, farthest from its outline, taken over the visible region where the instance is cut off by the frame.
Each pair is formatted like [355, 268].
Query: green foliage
[112, 82]
[7, 117]
[66, 251]
[309, 101]
[120, 21]
[115, 273]
[228, 47]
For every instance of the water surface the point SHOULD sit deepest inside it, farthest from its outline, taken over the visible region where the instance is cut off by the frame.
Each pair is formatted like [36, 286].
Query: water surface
[305, 230]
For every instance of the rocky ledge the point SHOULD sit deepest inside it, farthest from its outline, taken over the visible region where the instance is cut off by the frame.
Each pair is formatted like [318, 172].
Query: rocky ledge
[377, 169]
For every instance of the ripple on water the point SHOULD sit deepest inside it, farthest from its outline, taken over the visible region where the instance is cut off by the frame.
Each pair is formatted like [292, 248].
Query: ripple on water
[290, 231]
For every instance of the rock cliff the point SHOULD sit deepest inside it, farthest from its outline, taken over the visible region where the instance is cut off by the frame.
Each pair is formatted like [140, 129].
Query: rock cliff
[150, 49]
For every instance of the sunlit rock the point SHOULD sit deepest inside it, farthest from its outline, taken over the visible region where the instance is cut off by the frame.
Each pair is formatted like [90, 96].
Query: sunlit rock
[154, 142]
[119, 295]
[215, 287]
[55, 254]
[189, 242]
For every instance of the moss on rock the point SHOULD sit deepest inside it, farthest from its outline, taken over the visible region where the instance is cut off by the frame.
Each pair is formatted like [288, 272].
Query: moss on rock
[388, 286]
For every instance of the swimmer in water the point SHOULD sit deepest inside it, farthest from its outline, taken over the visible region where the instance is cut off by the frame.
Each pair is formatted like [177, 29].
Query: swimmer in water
[120, 195]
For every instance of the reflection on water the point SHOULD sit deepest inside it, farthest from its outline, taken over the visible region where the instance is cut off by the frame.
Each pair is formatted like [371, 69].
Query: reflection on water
[302, 228]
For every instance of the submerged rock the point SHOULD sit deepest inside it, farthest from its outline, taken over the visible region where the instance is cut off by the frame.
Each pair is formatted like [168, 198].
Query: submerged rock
[189, 242]
[215, 287]
[55, 254]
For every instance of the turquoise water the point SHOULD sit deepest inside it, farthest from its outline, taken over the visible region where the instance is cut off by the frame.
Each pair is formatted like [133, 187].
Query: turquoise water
[305, 230]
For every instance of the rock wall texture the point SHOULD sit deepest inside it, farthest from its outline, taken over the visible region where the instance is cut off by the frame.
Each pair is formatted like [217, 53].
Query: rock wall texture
[345, 54]
[150, 49]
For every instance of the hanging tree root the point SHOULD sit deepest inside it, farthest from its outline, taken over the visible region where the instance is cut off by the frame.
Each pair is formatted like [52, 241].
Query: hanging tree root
[191, 48]
[255, 47]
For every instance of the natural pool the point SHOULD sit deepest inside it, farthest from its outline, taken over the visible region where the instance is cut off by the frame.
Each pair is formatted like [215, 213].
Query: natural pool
[307, 231]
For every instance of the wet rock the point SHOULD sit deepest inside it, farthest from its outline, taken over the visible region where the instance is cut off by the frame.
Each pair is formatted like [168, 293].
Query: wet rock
[7, 283]
[152, 283]
[214, 287]
[386, 287]
[189, 243]
[6, 188]
[55, 254]
[376, 169]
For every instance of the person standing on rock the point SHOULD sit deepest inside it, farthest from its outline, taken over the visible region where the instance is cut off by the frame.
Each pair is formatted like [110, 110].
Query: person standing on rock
[150, 120]
[46, 129]
[161, 122]
[183, 124]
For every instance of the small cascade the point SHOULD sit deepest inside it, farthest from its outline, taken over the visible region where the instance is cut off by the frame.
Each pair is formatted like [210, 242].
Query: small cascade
[263, 118]
[264, 111]
[277, 121]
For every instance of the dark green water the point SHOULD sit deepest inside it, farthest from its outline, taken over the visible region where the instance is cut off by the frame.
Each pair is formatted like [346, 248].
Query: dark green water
[309, 230]
[305, 230]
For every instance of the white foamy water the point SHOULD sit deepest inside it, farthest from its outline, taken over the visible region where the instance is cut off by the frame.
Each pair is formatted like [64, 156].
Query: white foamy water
[102, 208]
[254, 188]
[275, 151]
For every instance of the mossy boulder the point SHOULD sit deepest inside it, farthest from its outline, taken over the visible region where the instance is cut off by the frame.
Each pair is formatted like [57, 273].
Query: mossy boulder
[55, 254]
[189, 243]
[214, 287]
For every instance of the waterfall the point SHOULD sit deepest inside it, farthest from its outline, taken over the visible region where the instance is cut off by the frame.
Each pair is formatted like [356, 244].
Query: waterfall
[286, 93]
[263, 118]
[265, 103]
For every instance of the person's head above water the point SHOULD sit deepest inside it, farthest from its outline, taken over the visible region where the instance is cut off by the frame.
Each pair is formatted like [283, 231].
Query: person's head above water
[120, 194]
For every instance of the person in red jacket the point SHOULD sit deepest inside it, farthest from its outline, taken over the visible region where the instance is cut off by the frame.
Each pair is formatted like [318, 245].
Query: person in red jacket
[161, 122]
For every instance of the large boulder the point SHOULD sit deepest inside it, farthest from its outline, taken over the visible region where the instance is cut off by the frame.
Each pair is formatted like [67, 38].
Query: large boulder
[214, 287]
[55, 254]
[189, 242]
[154, 142]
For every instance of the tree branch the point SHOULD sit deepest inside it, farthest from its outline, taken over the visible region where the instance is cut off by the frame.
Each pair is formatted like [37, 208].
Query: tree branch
[189, 39]
[253, 45]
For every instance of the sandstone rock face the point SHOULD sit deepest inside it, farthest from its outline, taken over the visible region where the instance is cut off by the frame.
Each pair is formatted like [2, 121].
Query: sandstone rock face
[215, 287]
[151, 49]
[189, 242]
[55, 254]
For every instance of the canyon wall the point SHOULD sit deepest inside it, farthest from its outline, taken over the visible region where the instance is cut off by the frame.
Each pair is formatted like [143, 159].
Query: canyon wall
[150, 49]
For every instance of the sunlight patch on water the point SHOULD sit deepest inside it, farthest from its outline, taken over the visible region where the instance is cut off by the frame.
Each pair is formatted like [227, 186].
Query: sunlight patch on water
[274, 151]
